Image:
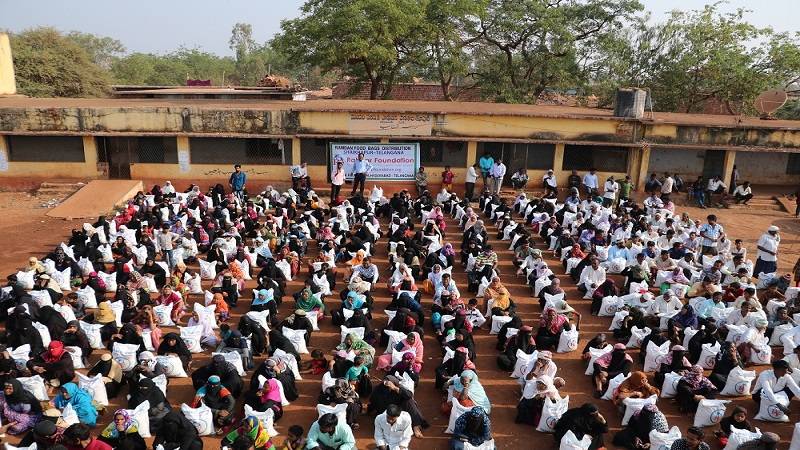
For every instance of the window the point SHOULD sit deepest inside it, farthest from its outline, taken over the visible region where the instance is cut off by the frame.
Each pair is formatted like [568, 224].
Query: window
[439, 153]
[240, 151]
[157, 150]
[45, 148]
[316, 151]
[793, 165]
[518, 155]
[603, 159]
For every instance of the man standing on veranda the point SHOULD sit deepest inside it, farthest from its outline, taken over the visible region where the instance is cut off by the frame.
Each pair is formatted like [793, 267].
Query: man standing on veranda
[498, 172]
[361, 168]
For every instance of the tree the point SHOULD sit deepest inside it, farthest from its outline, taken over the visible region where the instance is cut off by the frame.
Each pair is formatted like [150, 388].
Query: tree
[101, 49]
[528, 46]
[789, 111]
[171, 69]
[49, 64]
[369, 40]
[702, 56]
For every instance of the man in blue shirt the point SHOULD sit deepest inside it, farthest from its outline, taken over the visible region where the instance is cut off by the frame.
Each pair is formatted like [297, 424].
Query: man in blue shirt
[237, 180]
[486, 162]
[360, 169]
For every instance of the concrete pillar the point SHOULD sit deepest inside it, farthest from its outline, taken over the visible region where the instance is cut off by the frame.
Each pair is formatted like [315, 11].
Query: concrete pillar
[3, 154]
[642, 166]
[184, 154]
[727, 166]
[296, 158]
[472, 153]
[90, 153]
[558, 159]
[8, 84]
[385, 140]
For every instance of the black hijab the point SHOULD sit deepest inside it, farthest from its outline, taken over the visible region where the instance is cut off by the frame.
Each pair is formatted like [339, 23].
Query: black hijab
[145, 389]
[21, 396]
[179, 348]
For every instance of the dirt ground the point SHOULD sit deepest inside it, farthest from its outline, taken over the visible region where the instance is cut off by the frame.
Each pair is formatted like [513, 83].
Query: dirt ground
[26, 231]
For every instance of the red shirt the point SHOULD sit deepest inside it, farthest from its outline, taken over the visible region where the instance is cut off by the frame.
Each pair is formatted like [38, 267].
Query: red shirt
[447, 177]
[94, 445]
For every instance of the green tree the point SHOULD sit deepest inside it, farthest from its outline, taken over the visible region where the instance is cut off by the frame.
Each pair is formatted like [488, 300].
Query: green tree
[528, 46]
[700, 56]
[789, 111]
[101, 49]
[49, 64]
[172, 69]
[370, 40]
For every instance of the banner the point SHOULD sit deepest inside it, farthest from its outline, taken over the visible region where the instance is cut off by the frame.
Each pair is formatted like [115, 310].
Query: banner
[389, 161]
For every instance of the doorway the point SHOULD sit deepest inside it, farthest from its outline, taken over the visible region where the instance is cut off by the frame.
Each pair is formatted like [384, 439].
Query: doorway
[116, 153]
[713, 164]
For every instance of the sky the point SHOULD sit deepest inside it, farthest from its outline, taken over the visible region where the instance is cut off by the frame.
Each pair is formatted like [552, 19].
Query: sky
[161, 26]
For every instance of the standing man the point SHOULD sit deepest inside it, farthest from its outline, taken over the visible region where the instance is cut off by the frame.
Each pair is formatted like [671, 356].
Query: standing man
[767, 245]
[300, 173]
[710, 232]
[166, 241]
[625, 188]
[610, 189]
[421, 181]
[734, 179]
[498, 172]
[590, 182]
[469, 182]
[337, 180]
[361, 168]
[237, 181]
[486, 162]
[666, 187]
[550, 184]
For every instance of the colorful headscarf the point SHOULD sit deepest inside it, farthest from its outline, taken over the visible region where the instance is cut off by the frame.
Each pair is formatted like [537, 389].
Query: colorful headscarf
[111, 430]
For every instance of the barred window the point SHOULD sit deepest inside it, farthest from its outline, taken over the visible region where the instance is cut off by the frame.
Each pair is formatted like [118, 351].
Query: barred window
[439, 153]
[603, 159]
[157, 150]
[240, 151]
[793, 165]
[45, 148]
[518, 155]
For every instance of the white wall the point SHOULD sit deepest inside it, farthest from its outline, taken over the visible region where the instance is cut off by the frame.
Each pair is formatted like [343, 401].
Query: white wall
[687, 163]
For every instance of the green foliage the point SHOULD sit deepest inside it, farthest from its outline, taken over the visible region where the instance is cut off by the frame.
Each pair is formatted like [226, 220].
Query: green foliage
[789, 111]
[48, 64]
[369, 40]
[101, 49]
[699, 56]
[172, 69]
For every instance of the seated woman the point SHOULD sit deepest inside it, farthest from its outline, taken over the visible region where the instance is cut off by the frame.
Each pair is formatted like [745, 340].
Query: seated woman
[209, 337]
[468, 390]
[171, 298]
[434, 279]
[686, 318]
[354, 343]
[609, 366]
[219, 399]
[173, 344]
[607, 289]
[390, 392]
[226, 371]
[582, 421]
[123, 433]
[675, 361]
[737, 420]
[253, 429]
[19, 409]
[707, 335]
[343, 392]
[111, 372]
[146, 320]
[411, 344]
[81, 401]
[146, 390]
[267, 396]
[551, 325]
[177, 432]
[636, 435]
[353, 301]
[264, 300]
[597, 342]
[74, 336]
[534, 394]
[494, 292]
[473, 427]
[727, 358]
[692, 388]
[128, 334]
[401, 279]
[453, 366]
[635, 386]
[522, 341]
[271, 368]
[310, 303]
[54, 364]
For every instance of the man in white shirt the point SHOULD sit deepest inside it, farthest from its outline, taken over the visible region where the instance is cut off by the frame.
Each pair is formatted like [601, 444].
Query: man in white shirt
[590, 182]
[767, 245]
[779, 380]
[592, 276]
[550, 184]
[715, 186]
[610, 189]
[666, 187]
[743, 193]
[469, 181]
[393, 430]
[665, 304]
[498, 172]
[300, 174]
